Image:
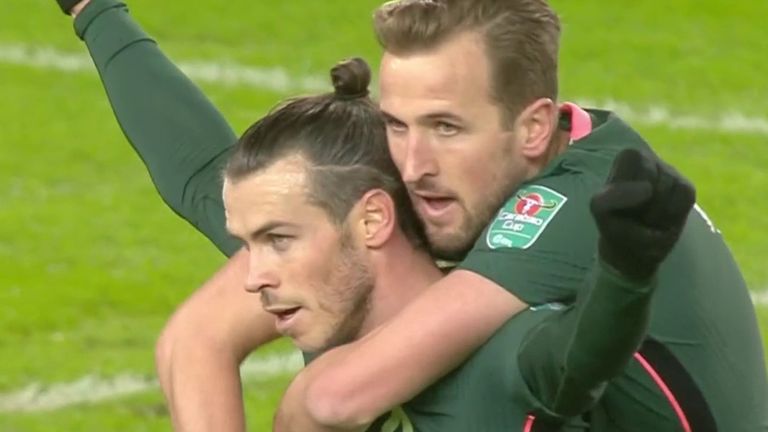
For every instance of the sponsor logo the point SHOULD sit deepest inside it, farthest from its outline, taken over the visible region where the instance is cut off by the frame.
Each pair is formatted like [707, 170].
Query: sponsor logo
[524, 217]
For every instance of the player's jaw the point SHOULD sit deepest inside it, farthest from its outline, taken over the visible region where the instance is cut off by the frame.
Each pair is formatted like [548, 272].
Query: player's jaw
[328, 311]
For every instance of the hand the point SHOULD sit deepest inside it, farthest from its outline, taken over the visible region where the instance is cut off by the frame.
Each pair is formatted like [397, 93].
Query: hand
[640, 213]
[72, 7]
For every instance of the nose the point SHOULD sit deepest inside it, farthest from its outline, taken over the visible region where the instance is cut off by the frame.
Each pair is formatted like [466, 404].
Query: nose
[418, 158]
[260, 276]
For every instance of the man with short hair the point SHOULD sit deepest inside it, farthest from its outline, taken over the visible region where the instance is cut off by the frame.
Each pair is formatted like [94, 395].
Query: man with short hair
[456, 128]
[312, 192]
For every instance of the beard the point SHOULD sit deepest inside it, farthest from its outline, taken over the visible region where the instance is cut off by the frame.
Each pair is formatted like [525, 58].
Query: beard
[455, 245]
[348, 292]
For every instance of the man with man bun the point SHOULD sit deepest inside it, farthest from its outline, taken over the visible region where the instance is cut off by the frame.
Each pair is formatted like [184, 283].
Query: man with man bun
[465, 113]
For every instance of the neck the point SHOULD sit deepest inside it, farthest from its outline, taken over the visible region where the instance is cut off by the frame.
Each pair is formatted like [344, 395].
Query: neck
[402, 273]
[558, 143]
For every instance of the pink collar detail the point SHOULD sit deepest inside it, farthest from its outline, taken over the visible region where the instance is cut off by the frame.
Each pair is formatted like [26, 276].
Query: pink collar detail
[581, 122]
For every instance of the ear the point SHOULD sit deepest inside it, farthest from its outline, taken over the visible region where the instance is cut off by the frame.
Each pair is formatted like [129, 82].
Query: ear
[536, 125]
[377, 218]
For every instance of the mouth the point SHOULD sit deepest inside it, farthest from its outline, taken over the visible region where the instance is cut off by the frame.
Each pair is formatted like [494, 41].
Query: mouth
[284, 317]
[434, 207]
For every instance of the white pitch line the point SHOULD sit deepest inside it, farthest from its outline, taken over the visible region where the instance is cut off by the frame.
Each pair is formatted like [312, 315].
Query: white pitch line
[37, 397]
[90, 389]
[760, 298]
[93, 389]
[278, 79]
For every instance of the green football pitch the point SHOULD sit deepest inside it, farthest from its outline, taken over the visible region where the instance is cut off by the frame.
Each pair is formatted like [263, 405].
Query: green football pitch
[92, 263]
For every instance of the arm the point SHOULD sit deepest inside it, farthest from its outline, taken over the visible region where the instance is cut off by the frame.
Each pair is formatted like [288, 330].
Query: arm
[183, 141]
[641, 212]
[350, 386]
[179, 135]
[200, 350]
[640, 215]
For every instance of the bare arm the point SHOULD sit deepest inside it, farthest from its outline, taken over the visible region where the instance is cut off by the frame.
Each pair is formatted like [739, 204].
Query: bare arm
[350, 386]
[200, 350]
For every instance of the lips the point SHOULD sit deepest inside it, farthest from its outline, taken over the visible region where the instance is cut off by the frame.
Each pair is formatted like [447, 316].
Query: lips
[285, 316]
[287, 313]
[432, 206]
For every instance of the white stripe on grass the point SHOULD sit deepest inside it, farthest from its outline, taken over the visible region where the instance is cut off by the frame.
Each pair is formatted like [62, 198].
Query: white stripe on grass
[280, 80]
[93, 389]
[760, 298]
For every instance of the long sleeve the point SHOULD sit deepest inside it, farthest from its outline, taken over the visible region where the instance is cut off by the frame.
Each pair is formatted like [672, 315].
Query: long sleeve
[183, 140]
[567, 361]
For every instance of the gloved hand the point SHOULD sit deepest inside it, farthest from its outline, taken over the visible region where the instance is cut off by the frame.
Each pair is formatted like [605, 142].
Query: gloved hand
[67, 5]
[640, 213]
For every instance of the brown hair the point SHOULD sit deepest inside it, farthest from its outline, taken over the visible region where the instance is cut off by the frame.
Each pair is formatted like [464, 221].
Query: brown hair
[521, 40]
[342, 137]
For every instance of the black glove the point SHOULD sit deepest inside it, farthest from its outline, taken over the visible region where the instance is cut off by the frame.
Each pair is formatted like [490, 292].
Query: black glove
[67, 5]
[640, 213]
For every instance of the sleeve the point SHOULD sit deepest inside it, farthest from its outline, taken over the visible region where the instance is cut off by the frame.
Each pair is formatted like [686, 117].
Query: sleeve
[567, 360]
[180, 136]
[541, 244]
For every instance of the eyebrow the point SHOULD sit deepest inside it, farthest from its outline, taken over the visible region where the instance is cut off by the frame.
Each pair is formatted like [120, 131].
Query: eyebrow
[263, 229]
[437, 115]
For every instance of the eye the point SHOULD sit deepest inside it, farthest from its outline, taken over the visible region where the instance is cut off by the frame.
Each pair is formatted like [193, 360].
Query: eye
[446, 129]
[279, 242]
[396, 126]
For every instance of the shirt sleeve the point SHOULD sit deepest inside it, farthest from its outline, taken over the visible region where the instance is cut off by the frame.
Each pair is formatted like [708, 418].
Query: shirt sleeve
[180, 136]
[542, 243]
[567, 360]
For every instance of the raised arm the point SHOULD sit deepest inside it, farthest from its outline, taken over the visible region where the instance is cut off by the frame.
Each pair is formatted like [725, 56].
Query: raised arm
[640, 215]
[180, 136]
[183, 141]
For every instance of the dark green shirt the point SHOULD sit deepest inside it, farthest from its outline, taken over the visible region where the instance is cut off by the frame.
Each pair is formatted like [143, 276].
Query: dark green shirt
[703, 325]
[703, 344]
[487, 393]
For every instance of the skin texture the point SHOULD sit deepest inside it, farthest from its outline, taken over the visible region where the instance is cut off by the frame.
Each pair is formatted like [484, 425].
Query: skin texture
[447, 138]
[78, 7]
[201, 347]
[211, 333]
[306, 270]
[448, 141]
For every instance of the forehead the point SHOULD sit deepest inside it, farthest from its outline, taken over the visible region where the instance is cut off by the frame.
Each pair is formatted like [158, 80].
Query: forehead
[456, 72]
[275, 194]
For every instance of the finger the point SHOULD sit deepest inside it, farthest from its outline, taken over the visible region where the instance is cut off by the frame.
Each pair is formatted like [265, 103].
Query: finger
[623, 196]
[673, 198]
[632, 164]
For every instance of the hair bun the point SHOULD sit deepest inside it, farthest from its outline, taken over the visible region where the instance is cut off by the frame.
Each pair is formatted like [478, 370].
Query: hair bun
[350, 78]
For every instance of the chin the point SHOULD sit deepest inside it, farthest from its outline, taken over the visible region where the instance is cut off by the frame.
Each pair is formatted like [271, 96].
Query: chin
[449, 246]
[308, 347]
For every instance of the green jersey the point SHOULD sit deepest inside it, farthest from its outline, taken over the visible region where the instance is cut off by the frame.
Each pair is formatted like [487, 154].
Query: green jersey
[487, 393]
[703, 328]
[702, 365]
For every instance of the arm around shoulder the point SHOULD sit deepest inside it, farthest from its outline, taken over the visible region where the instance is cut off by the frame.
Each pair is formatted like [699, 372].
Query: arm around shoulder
[201, 347]
[354, 384]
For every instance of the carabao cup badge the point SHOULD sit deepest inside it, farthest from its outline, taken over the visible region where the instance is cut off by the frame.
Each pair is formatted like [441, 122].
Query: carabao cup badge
[524, 217]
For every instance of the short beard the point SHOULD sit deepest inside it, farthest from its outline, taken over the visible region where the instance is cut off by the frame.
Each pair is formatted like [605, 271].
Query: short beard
[356, 281]
[456, 245]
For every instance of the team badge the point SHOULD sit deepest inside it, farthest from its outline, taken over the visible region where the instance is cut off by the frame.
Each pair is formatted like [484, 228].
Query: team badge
[524, 217]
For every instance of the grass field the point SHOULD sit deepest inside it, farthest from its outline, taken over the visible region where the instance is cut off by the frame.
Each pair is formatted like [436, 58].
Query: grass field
[92, 263]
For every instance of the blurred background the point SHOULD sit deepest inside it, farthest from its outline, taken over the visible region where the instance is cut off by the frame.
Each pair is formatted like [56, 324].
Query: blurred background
[92, 263]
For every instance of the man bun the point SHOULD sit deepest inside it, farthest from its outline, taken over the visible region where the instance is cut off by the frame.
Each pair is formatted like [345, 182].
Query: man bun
[351, 78]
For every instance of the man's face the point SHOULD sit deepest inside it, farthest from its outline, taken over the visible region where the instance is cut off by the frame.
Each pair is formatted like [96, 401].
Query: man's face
[449, 141]
[306, 269]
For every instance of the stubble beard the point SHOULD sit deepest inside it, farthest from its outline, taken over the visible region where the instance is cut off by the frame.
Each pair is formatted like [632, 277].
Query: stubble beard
[456, 244]
[349, 287]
